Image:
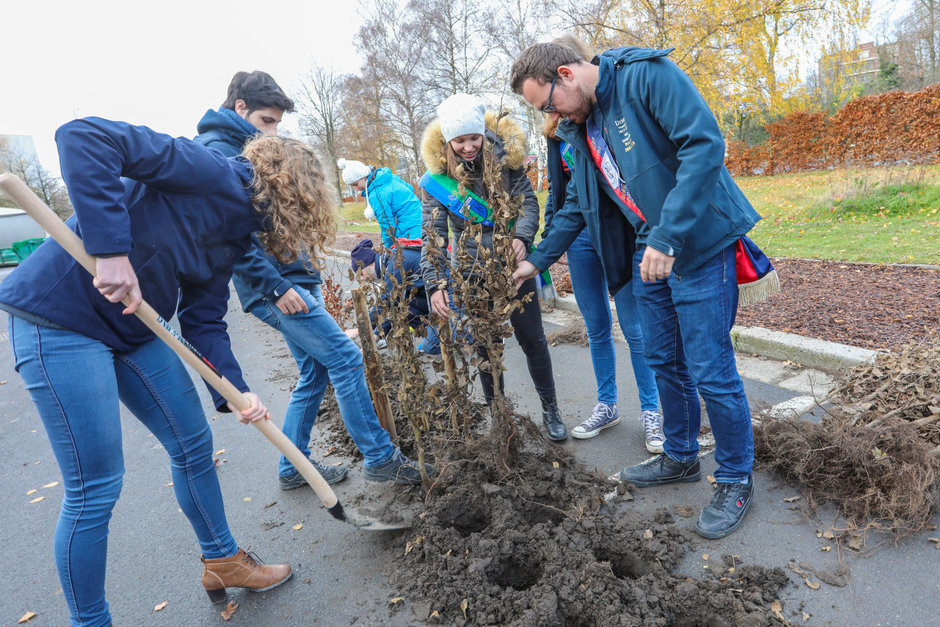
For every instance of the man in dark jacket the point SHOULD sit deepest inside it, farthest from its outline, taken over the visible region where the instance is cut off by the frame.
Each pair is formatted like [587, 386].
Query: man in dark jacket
[287, 297]
[649, 154]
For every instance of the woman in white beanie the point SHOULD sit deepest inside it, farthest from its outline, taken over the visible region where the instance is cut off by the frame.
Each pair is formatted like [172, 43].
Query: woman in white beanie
[392, 201]
[458, 147]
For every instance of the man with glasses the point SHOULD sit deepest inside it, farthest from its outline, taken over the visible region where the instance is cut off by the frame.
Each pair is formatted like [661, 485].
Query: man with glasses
[648, 157]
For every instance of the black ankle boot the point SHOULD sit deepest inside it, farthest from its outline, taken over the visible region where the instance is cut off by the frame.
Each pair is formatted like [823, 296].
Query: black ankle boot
[551, 418]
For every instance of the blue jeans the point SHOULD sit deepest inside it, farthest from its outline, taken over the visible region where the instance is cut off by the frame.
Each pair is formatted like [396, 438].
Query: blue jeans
[325, 354]
[686, 323]
[75, 383]
[590, 290]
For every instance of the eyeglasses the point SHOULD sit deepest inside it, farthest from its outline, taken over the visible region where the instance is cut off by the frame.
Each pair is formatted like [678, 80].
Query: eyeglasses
[549, 108]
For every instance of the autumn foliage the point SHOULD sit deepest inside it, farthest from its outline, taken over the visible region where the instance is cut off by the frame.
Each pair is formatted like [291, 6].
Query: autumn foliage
[886, 129]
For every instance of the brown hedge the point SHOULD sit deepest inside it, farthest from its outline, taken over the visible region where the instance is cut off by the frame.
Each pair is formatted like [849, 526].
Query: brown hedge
[896, 127]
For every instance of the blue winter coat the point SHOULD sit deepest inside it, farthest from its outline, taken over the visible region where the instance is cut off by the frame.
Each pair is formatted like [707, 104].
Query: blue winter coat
[182, 213]
[670, 152]
[395, 205]
[224, 130]
[257, 275]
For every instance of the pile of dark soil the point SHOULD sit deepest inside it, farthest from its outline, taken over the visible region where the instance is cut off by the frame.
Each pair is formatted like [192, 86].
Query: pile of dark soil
[543, 547]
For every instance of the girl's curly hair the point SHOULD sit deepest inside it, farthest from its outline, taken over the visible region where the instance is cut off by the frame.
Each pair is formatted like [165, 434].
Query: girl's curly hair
[292, 192]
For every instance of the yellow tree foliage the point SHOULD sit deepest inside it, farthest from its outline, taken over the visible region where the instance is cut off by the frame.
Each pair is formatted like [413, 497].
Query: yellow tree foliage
[742, 54]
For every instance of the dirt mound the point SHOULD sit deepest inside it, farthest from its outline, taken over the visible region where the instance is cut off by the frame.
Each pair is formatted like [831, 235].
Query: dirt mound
[545, 548]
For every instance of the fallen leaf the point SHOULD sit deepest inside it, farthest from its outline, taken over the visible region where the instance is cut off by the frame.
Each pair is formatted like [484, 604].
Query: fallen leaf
[51, 485]
[805, 617]
[247, 499]
[31, 492]
[435, 615]
[159, 606]
[229, 610]
[554, 464]
[711, 480]
[412, 544]
[936, 542]
[396, 600]
[168, 485]
[648, 534]
[855, 543]
[330, 451]
[826, 548]
[28, 616]
[791, 499]
[463, 606]
[775, 607]
[220, 451]
[812, 584]
[828, 535]
[705, 556]
[3, 382]
[730, 569]
[37, 499]
[298, 526]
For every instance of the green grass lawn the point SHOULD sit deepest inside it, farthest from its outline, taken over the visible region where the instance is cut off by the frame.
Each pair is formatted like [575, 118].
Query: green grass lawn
[882, 215]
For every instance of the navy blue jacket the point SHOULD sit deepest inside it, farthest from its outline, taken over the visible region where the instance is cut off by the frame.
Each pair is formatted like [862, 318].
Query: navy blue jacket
[258, 275]
[611, 227]
[224, 130]
[183, 215]
[670, 152]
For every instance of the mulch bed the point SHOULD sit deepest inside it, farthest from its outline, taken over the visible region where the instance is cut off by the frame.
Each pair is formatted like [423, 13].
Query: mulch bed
[879, 307]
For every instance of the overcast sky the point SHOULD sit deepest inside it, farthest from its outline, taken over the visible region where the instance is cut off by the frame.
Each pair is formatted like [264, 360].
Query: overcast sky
[162, 64]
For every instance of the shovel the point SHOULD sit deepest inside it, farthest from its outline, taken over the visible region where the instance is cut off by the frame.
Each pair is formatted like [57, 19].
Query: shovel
[34, 206]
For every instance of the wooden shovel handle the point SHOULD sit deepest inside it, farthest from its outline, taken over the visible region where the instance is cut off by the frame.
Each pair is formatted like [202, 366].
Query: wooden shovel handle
[47, 219]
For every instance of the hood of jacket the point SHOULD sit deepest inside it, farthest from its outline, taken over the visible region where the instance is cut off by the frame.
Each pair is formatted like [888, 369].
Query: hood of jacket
[224, 127]
[510, 142]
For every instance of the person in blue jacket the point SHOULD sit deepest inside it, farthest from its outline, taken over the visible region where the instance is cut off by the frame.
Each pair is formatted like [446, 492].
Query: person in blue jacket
[254, 103]
[649, 158]
[393, 201]
[166, 219]
[287, 296]
[406, 274]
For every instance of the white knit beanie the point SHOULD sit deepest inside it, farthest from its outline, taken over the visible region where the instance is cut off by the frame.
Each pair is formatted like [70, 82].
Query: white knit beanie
[353, 170]
[461, 114]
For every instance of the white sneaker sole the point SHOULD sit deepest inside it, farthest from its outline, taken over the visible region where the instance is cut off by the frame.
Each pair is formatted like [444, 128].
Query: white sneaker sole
[654, 448]
[586, 435]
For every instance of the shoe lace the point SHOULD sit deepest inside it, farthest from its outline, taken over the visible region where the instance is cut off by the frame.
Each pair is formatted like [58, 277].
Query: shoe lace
[251, 560]
[652, 425]
[724, 493]
[600, 414]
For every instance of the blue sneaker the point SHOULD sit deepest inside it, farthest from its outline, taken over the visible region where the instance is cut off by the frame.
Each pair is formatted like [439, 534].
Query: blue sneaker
[397, 468]
[431, 350]
[602, 417]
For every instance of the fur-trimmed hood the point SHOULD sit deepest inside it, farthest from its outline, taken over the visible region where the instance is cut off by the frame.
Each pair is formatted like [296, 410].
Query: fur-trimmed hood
[506, 132]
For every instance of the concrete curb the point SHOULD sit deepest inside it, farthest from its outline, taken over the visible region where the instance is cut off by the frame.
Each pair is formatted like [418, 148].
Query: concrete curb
[818, 354]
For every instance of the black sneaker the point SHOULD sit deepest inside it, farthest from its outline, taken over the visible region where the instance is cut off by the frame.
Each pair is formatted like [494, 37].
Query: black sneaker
[726, 511]
[330, 474]
[398, 468]
[660, 470]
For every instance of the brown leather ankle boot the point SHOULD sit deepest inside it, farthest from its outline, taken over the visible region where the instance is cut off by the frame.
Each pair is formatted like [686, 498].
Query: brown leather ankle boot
[242, 570]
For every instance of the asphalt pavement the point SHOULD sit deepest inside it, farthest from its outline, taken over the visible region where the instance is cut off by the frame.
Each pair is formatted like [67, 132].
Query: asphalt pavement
[339, 571]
